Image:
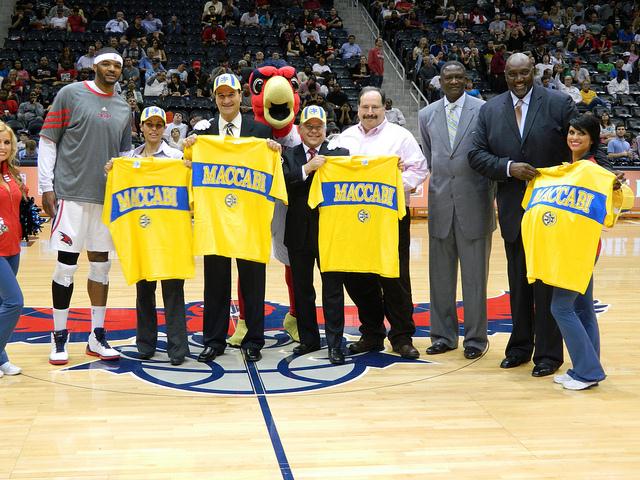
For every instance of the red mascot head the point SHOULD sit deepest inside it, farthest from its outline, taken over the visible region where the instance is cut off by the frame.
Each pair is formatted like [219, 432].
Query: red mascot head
[275, 98]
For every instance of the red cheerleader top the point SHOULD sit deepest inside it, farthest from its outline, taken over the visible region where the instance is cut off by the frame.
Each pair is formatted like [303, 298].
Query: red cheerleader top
[10, 227]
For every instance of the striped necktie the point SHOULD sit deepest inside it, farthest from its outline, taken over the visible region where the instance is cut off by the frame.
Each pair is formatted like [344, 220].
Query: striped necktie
[518, 111]
[228, 129]
[452, 122]
[312, 152]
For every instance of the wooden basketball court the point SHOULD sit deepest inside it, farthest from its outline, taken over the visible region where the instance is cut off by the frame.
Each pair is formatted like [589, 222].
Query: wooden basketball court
[376, 417]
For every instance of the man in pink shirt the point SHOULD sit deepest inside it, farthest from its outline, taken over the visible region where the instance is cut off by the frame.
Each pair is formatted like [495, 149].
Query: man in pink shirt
[374, 135]
[376, 63]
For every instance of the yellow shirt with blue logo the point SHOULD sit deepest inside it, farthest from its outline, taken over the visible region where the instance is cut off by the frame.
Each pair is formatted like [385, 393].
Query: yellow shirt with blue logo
[360, 200]
[566, 208]
[146, 208]
[235, 184]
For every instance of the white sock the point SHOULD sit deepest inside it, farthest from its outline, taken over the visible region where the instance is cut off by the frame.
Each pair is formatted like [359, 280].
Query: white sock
[60, 319]
[97, 317]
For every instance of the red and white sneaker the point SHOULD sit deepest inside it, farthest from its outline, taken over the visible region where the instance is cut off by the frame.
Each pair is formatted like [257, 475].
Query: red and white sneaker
[59, 341]
[99, 347]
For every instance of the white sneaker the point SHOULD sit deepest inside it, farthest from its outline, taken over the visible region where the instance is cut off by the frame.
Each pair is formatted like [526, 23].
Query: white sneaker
[1, 374]
[59, 341]
[9, 368]
[578, 385]
[565, 377]
[99, 347]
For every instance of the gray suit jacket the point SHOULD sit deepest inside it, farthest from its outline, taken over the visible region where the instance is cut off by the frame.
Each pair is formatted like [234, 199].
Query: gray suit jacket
[453, 184]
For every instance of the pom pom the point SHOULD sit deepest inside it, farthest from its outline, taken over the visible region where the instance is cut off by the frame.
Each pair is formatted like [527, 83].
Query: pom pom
[30, 218]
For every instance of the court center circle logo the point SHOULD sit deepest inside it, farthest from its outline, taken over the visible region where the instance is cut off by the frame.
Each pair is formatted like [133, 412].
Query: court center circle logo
[279, 371]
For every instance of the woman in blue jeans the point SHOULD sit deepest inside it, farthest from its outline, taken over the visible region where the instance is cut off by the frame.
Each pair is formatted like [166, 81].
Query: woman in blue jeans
[11, 192]
[575, 313]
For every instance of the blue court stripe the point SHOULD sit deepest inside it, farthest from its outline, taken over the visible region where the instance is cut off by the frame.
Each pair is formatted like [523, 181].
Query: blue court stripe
[258, 388]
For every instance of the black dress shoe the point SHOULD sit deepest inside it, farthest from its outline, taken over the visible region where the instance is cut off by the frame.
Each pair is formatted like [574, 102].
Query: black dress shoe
[303, 349]
[209, 354]
[472, 353]
[364, 345]
[336, 357]
[177, 361]
[510, 361]
[438, 348]
[543, 369]
[146, 356]
[407, 351]
[252, 354]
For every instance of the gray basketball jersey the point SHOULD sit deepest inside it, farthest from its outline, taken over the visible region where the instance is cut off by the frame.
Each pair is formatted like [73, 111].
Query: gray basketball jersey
[89, 128]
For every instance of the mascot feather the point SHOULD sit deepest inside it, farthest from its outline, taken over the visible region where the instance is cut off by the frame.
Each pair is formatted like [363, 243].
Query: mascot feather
[275, 102]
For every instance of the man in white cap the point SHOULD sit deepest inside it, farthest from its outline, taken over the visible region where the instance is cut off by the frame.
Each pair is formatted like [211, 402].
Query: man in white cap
[227, 90]
[88, 124]
[301, 238]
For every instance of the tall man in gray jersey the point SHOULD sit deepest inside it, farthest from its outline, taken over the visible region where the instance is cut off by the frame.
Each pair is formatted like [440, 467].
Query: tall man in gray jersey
[461, 217]
[87, 125]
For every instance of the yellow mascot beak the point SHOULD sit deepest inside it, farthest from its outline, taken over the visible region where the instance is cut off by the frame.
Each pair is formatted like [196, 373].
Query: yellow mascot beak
[278, 102]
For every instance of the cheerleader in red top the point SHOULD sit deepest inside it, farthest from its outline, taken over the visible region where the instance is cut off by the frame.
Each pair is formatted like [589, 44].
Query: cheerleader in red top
[11, 192]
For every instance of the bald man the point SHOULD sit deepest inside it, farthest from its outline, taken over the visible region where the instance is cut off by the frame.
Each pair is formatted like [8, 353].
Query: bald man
[517, 132]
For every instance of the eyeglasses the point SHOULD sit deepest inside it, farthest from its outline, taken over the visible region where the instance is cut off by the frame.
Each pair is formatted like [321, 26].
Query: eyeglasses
[314, 128]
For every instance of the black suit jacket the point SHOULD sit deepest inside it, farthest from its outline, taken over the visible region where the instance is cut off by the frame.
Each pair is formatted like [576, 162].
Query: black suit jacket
[301, 229]
[543, 144]
[248, 128]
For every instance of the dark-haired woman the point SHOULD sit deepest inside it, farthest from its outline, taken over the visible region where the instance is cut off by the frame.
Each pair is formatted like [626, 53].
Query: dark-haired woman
[574, 312]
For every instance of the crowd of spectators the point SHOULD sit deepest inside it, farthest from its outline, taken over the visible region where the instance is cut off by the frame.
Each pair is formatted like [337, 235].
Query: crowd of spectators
[171, 57]
[587, 49]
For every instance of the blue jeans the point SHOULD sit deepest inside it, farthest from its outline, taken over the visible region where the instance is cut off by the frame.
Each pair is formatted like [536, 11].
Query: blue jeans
[11, 301]
[576, 318]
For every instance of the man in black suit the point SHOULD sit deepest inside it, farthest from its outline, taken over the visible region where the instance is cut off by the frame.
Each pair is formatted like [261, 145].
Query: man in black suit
[518, 131]
[217, 269]
[301, 238]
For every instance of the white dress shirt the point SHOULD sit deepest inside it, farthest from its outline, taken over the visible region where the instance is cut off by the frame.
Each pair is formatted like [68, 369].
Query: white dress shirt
[236, 122]
[459, 103]
[524, 108]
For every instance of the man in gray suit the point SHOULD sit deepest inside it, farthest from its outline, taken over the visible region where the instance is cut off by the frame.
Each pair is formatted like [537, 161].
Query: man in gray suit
[461, 217]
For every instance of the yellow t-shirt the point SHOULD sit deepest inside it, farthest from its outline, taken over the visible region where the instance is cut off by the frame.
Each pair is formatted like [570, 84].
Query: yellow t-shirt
[566, 208]
[146, 208]
[360, 200]
[587, 97]
[235, 184]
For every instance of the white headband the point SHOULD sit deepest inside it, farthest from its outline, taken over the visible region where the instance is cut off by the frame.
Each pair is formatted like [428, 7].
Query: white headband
[108, 56]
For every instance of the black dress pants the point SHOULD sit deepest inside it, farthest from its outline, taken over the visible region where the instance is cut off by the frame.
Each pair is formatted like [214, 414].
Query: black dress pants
[174, 313]
[302, 265]
[535, 331]
[398, 304]
[217, 301]
[367, 297]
